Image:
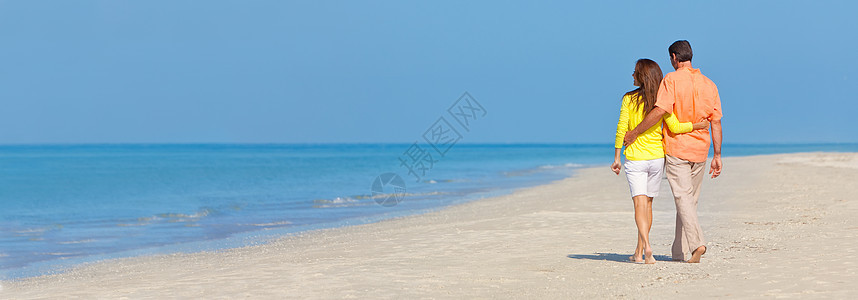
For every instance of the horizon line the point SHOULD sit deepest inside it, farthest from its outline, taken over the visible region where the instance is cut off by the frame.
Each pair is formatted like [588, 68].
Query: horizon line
[381, 143]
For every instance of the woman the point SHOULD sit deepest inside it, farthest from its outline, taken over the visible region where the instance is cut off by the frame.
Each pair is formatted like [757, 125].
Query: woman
[645, 157]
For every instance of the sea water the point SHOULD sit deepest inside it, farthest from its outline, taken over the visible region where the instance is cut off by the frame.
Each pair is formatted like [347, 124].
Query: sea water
[62, 205]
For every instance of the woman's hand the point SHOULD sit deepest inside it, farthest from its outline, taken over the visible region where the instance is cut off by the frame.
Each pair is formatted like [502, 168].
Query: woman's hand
[701, 125]
[616, 167]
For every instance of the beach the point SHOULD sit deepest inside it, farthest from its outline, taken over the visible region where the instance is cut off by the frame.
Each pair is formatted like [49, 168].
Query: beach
[777, 225]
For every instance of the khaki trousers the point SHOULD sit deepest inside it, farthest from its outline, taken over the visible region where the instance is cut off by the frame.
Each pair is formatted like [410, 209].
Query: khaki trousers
[685, 178]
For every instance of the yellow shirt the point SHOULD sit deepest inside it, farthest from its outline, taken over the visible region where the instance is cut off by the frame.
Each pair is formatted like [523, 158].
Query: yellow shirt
[649, 143]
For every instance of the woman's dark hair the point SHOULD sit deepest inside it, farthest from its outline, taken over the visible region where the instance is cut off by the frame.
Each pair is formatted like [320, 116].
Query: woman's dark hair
[682, 49]
[648, 74]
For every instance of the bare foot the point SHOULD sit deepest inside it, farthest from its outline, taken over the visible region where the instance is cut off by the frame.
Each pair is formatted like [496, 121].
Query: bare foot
[695, 256]
[649, 259]
[636, 257]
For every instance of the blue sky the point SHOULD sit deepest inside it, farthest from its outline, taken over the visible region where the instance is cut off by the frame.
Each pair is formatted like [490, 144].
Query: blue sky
[384, 71]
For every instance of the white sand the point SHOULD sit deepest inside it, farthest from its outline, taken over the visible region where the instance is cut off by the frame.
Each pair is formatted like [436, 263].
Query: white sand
[777, 226]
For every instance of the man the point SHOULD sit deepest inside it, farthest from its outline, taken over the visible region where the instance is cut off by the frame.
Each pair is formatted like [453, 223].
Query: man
[691, 97]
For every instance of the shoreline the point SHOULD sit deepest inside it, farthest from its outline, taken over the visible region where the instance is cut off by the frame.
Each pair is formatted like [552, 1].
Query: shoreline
[129, 200]
[568, 243]
[262, 236]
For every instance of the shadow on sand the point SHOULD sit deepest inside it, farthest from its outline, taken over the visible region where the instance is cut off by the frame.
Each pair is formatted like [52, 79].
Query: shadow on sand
[614, 257]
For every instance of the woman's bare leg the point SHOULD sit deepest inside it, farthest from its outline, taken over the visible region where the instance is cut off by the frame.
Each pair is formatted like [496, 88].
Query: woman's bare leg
[642, 219]
[649, 214]
[639, 249]
[649, 258]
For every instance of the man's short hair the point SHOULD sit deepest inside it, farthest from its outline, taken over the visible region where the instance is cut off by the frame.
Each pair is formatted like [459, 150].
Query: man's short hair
[682, 49]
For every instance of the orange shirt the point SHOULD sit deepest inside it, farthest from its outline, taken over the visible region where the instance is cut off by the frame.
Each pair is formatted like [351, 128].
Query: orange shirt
[692, 97]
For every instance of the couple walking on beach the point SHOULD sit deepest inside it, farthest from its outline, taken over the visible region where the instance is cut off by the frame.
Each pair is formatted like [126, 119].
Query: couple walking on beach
[680, 149]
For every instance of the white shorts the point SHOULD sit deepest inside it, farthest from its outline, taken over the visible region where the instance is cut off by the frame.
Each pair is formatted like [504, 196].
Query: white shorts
[644, 176]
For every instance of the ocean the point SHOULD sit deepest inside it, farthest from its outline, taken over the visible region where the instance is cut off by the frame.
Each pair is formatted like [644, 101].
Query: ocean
[64, 205]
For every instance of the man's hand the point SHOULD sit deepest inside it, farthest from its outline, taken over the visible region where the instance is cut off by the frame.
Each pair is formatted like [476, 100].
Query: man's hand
[630, 137]
[616, 167]
[717, 137]
[703, 124]
[715, 168]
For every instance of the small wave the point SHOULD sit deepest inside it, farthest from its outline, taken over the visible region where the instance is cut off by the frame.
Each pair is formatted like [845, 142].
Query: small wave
[32, 230]
[567, 165]
[58, 253]
[340, 202]
[433, 181]
[76, 242]
[355, 200]
[435, 193]
[170, 218]
[337, 200]
[340, 205]
[38, 230]
[202, 213]
[518, 173]
[273, 224]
